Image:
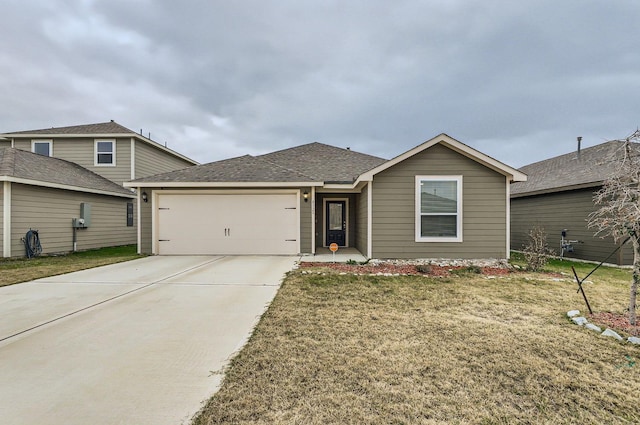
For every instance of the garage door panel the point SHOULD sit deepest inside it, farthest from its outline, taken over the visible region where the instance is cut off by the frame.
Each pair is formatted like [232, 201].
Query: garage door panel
[215, 224]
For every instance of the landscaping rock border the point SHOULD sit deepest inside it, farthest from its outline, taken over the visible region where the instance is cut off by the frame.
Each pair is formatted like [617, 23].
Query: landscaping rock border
[575, 317]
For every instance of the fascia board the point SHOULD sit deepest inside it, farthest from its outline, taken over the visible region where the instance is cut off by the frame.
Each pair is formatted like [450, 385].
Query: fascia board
[133, 184]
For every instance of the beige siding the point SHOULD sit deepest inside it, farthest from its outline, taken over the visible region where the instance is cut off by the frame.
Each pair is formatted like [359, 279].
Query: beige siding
[81, 151]
[5, 143]
[558, 211]
[150, 161]
[50, 212]
[484, 208]
[360, 225]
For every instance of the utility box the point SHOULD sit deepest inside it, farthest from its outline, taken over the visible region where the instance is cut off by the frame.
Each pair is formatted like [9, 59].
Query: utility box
[85, 214]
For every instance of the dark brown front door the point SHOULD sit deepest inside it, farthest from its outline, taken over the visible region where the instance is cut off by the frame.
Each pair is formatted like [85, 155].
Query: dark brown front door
[336, 222]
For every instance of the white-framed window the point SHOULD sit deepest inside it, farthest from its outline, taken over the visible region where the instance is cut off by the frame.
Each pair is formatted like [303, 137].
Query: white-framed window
[438, 208]
[105, 152]
[42, 147]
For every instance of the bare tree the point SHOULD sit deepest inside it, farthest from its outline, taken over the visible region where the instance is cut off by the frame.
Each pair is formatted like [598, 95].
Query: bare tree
[619, 212]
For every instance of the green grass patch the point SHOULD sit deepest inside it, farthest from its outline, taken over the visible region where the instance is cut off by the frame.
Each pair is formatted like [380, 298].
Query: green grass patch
[16, 270]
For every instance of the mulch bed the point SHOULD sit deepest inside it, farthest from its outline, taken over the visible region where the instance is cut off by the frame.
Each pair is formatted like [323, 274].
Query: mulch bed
[404, 269]
[615, 321]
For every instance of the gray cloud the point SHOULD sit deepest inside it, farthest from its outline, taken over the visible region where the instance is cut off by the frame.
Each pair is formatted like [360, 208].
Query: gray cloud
[215, 79]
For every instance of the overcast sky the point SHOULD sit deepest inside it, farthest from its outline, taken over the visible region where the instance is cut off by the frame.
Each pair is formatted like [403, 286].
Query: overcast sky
[518, 81]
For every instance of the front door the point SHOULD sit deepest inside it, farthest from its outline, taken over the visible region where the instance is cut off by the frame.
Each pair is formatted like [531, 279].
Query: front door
[336, 222]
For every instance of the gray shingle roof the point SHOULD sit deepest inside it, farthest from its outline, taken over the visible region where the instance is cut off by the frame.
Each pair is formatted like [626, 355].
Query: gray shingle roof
[241, 169]
[25, 165]
[110, 127]
[568, 171]
[314, 162]
[324, 162]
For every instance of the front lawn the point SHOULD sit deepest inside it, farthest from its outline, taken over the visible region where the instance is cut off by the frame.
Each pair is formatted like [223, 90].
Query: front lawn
[16, 270]
[346, 349]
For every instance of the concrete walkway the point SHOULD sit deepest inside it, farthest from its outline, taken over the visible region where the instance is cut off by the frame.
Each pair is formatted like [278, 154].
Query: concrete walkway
[323, 255]
[131, 343]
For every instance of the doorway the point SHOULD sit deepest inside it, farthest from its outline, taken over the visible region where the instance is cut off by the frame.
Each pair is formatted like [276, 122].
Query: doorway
[336, 222]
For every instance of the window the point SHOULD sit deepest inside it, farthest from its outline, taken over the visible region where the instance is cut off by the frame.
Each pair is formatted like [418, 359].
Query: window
[105, 152]
[438, 208]
[42, 147]
[129, 214]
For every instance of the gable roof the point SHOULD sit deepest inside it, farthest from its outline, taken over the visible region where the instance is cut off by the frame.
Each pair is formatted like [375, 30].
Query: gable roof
[571, 171]
[29, 168]
[105, 129]
[455, 145]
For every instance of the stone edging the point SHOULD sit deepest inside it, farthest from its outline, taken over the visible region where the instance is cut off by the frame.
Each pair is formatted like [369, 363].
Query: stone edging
[575, 317]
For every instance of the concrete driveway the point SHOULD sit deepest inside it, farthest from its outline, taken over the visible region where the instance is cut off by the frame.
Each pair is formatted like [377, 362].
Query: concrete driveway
[130, 343]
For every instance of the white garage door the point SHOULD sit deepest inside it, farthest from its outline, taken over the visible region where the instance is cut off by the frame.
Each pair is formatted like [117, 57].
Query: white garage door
[217, 224]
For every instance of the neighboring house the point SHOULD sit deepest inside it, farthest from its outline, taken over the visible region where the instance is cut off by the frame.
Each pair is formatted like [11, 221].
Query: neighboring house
[106, 149]
[46, 194]
[440, 199]
[558, 196]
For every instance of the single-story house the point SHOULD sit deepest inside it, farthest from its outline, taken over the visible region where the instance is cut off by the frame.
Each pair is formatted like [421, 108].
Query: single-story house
[70, 206]
[441, 199]
[558, 196]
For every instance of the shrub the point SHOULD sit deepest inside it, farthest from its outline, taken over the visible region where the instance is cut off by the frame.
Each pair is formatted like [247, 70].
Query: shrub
[536, 252]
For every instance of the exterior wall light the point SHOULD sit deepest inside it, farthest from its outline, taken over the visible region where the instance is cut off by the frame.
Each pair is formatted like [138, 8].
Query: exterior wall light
[145, 198]
[305, 195]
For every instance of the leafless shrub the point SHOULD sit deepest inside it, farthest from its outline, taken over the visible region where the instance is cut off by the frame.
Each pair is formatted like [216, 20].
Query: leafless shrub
[536, 251]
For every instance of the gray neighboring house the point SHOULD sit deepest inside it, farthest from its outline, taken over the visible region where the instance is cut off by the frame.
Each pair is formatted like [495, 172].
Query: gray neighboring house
[46, 194]
[558, 195]
[441, 199]
[107, 149]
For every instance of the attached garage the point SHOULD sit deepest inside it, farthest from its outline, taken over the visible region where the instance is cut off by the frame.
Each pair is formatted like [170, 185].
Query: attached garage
[206, 223]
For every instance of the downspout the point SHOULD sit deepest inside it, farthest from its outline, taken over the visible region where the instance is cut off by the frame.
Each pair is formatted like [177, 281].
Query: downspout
[6, 219]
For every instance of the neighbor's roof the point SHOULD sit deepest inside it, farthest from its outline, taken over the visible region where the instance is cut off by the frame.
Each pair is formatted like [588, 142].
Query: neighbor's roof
[571, 171]
[110, 127]
[104, 129]
[29, 168]
[311, 164]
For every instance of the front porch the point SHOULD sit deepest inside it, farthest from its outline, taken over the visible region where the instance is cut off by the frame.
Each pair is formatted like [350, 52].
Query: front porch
[323, 255]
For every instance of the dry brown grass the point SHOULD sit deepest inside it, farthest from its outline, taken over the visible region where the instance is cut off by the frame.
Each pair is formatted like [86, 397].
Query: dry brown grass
[336, 349]
[23, 269]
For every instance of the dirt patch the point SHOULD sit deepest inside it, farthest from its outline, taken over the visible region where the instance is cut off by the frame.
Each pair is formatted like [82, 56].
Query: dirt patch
[406, 269]
[615, 321]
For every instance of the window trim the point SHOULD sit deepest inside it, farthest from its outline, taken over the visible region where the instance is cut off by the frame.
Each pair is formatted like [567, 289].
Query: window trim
[418, 212]
[47, 141]
[113, 153]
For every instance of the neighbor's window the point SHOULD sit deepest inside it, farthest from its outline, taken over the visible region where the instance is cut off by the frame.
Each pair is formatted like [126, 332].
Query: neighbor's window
[42, 147]
[105, 152]
[129, 214]
[438, 208]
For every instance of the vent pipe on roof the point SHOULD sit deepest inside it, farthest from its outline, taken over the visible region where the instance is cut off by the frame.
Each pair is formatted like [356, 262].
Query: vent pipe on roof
[579, 141]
